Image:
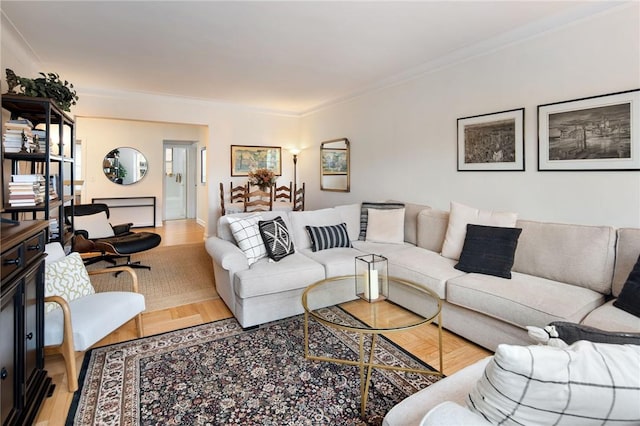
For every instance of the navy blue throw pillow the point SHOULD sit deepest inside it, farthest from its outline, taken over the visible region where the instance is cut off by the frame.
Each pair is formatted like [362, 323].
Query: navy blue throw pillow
[629, 298]
[326, 237]
[489, 250]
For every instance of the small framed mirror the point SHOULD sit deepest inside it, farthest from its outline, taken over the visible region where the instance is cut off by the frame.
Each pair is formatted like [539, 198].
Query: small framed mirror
[124, 166]
[334, 165]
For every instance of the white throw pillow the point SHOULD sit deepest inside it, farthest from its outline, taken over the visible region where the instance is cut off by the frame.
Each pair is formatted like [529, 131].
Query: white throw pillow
[584, 384]
[97, 225]
[246, 232]
[385, 226]
[461, 215]
[68, 278]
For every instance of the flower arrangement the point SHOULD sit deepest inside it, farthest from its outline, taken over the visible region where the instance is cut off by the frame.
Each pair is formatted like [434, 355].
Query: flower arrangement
[262, 178]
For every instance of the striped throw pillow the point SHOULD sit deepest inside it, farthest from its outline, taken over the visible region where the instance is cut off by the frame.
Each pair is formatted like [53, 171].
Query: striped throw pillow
[364, 214]
[326, 237]
[276, 237]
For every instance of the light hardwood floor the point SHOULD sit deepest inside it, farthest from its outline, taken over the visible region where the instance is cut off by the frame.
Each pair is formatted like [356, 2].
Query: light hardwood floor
[421, 342]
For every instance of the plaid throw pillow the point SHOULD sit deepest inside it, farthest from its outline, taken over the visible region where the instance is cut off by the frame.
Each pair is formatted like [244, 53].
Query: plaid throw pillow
[326, 237]
[276, 237]
[247, 235]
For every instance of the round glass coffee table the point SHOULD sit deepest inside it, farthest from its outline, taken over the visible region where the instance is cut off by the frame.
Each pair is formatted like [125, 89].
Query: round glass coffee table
[374, 318]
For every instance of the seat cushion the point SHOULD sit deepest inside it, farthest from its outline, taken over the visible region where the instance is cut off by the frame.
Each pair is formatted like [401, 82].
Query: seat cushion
[134, 242]
[608, 317]
[336, 261]
[524, 299]
[93, 317]
[423, 267]
[266, 277]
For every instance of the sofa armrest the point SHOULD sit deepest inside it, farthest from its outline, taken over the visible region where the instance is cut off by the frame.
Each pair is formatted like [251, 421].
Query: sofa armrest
[449, 413]
[226, 254]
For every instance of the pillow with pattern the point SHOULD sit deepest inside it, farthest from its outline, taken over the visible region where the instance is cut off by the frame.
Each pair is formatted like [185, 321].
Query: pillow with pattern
[326, 237]
[276, 237]
[247, 234]
[67, 278]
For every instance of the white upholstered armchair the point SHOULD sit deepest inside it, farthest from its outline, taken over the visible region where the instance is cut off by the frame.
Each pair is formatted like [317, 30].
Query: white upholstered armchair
[76, 317]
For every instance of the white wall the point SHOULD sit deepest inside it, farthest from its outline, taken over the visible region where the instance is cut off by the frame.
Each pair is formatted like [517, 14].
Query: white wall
[99, 136]
[403, 138]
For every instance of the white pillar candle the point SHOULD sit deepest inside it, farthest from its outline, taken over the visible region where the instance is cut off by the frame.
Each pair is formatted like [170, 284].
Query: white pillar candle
[373, 285]
[366, 284]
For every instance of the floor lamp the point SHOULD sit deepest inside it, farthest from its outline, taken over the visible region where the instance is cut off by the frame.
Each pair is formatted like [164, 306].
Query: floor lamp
[295, 153]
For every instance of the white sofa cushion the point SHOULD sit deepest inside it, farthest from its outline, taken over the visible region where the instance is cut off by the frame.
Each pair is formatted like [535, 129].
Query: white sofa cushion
[385, 226]
[586, 383]
[522, 300]
[449, 413]
[574, 254]
[301, 219]
[460, 216]
[608, 317]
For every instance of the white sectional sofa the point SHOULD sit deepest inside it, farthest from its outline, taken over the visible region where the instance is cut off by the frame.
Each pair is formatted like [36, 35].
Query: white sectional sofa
[561, 272]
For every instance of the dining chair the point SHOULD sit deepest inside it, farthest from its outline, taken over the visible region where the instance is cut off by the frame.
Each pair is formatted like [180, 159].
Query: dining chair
[298, 198]
[237, 193]
[283, 193]
[222, 212]
[258, 200]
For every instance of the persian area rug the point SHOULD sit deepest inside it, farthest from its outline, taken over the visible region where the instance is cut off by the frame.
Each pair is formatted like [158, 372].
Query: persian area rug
[179, 275]
[219, 374]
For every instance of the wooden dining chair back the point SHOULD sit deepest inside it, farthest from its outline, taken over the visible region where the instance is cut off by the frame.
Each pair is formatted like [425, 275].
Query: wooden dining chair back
[237, 193]
[222, 212]
[283, 193]
[298, 198]
[258, 200]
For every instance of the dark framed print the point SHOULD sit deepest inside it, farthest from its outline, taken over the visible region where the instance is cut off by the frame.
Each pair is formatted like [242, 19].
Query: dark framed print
[492, 142]
[597, 133]
[245, 158]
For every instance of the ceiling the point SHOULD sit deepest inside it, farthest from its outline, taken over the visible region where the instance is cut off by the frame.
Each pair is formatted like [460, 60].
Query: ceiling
[292, 56]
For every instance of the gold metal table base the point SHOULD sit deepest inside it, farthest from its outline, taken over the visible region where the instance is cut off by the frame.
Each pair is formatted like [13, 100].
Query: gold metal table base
[367, 365]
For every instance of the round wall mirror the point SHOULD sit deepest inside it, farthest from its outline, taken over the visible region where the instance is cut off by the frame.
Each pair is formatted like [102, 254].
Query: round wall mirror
[124, 165]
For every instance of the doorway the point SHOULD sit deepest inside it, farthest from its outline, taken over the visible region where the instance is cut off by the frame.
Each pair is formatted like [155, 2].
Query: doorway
[179, 179]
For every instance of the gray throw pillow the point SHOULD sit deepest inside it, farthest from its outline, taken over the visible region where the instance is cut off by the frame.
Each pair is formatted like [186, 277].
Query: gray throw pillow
[571, 332]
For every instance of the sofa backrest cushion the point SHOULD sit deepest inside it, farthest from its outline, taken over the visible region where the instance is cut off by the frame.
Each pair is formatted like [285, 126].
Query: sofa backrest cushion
[224, 231]
[411, 212]
[350, 214]
[627, 253]
[301, 219]
[431, 229]
[574, 254]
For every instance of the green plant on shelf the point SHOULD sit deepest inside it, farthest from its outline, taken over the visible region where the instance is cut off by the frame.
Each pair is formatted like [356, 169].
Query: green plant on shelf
[47, 86]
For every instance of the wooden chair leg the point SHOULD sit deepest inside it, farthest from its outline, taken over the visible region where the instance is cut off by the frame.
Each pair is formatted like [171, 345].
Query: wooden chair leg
[69, 355]
[139, 325]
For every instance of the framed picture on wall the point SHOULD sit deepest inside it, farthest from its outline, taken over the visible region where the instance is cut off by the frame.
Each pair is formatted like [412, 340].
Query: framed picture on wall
[598, 133]
[334, 161]
[491, 142]
[245, 158]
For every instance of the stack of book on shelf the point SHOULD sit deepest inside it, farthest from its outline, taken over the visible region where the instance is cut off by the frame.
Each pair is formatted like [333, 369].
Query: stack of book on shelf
[26, 190]
[53, 185]
[18, 136]
[54, 228]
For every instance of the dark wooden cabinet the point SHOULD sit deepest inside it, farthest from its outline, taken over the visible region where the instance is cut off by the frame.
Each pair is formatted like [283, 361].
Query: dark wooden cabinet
[24, 383]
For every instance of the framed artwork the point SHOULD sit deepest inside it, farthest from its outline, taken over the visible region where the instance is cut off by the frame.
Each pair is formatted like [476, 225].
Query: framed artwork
[492, 142]
[245, 158]
[334, 161]
[203, 165]
[598, 133]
